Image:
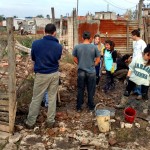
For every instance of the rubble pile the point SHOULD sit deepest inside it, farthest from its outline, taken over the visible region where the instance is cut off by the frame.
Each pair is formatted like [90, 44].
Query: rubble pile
[74, 131]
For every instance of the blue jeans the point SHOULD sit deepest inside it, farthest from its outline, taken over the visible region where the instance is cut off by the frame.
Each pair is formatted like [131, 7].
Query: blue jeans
[45, 99]
[88, 80]
[137, 90]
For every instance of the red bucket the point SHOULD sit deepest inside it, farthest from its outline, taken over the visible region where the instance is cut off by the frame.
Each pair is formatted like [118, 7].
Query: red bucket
[129, 114]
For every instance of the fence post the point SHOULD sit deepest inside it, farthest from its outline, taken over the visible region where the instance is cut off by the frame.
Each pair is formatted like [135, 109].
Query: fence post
[61, 28]
[127, 36]
[11, 74]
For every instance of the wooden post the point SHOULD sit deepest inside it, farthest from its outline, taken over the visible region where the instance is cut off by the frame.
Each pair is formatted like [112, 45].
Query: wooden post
[53, 15]
[127, 35]
[140, 14]
[75, 30]
[61, 27]
[11, 74]
[145, 30]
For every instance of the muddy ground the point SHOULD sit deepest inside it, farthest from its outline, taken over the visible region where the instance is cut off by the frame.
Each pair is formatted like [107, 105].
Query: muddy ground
[73, 121]
[85, 120]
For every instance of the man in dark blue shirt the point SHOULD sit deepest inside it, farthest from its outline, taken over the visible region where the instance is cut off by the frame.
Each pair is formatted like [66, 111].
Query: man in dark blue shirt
[45, 53]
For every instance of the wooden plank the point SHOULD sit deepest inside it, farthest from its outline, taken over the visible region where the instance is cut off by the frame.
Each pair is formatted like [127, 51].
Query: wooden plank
[4, 113]
[3, 95]
[4, 102]
[11, 73]
[4, 108]
[4, 126]
[4, 118]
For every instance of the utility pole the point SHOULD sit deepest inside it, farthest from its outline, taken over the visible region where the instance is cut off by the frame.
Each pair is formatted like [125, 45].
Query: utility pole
[53, 15]
[140, 14]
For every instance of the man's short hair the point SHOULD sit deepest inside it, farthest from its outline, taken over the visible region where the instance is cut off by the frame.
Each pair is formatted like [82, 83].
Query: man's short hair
[125, 57]
[86, 35]
[136, 32]
[50, 28]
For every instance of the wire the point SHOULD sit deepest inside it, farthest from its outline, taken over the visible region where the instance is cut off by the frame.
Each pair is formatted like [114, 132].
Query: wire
[117, 6]
[130, 2]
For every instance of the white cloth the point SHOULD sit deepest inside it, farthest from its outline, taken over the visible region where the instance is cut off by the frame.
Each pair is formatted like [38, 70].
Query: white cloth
[138, 48]
[140, 73]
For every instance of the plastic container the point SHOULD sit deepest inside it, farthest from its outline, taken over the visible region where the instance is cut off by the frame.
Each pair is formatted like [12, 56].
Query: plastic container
[103, 119]
[130, 114]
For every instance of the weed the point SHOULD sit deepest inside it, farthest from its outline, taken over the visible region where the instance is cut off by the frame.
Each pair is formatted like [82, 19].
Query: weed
[68, 59]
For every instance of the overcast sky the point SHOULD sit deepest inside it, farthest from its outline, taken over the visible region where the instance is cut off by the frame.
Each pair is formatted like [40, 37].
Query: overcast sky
[25, 8]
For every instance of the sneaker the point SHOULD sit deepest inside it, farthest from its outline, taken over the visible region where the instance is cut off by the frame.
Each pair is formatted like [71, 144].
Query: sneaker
[145, 96]
[139, 97]
[122, 103]
[91, 110]
[126, 93]
[79, 110]
[50, 125]
[27, 125]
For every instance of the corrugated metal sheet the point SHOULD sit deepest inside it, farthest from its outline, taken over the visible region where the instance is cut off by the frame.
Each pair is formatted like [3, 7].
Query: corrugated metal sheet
[91, 27]
[113, 26]
[117, 30]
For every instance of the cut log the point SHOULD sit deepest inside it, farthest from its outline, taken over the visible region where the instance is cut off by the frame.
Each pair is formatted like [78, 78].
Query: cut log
[20, 47]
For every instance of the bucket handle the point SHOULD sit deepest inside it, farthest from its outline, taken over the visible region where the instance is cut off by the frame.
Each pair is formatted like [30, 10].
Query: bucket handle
[98, 105]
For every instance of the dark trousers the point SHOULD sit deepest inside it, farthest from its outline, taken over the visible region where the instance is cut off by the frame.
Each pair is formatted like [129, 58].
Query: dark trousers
[99, 70]
[131, 86]
[109, 81]
[86, 80]
[97, 73]
[121, 74]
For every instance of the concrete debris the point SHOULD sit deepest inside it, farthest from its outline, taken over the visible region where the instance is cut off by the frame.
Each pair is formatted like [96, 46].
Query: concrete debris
[148, 129]
[122, 124]
[4, 135]
[128, 125]
[10, 146]
[137, 125]
[112, 134]
[15, 138]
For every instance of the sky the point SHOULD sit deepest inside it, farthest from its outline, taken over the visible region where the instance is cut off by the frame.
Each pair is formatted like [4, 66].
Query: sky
[26, 8]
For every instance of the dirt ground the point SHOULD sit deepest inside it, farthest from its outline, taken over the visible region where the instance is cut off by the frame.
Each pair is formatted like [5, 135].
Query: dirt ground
[85, 120]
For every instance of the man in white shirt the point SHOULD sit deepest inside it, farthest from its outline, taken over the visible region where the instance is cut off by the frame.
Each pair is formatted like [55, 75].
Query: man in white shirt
[138, 44]
[138, 48]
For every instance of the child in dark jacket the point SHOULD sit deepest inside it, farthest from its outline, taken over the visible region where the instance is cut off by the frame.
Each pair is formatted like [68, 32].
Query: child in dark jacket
[122, 67]
[110, 55]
